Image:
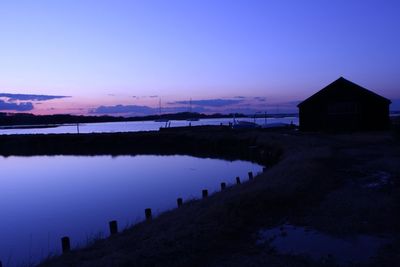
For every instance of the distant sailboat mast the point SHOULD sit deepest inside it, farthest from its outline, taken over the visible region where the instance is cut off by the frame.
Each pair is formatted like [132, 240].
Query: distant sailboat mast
[190, 112]
[159, 106]
[160, 119]
[265, 118]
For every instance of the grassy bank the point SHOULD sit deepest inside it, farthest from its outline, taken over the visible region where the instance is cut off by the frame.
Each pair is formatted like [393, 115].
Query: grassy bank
[319, 181]
[205, 141]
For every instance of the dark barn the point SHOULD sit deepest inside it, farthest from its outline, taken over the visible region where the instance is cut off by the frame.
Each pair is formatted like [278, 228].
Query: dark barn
[344, 106]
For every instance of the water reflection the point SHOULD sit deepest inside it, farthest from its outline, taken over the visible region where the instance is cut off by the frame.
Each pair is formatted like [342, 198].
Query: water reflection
[290, 239]
[43, 198]
[135, 126]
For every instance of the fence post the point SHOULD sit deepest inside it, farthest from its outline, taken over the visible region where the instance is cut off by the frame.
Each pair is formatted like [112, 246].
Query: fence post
[113, 227]
[223, 186]
[65, 244]
[147, 212]
[180, 202]
[238, 180]
[250, 175]
[205, 193]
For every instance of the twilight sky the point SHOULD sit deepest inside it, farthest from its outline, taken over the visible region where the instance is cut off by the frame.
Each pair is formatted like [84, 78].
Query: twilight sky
[122, 57]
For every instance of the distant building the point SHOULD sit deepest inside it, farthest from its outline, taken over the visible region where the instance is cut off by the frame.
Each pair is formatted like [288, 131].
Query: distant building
[344, 106]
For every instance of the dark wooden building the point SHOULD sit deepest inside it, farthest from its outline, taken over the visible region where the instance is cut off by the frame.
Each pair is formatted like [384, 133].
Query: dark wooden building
[344, 106]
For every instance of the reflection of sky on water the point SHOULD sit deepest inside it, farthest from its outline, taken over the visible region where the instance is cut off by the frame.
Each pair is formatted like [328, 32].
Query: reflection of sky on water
[135, 126]
[43, 198]
[289, 239]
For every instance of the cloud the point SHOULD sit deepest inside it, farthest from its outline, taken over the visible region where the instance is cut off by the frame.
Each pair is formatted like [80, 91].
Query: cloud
[289, 104]
[209, 102]
[16, 107]
[29, 97]
[239, 97]
[141, 110]
[122, 109]
[247, 111]
[145, 96]
[260, 98]
[184, 109]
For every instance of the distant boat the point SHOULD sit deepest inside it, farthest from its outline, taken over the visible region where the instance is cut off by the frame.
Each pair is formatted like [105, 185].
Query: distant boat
[244, 124]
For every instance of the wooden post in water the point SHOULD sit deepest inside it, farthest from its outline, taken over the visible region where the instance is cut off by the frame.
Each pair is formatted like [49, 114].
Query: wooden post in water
[1, 264]
[180, 202]
[223, 186]
[238, 180]
[113, 227]
[250, 175]
[205, 193]
[264, 169]
[65, 244]
[147, 212]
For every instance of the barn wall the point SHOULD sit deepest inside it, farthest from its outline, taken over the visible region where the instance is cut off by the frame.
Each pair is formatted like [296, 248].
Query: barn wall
[367, 115]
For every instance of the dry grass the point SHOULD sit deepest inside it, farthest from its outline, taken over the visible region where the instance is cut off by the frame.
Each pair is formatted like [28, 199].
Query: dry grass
[318, 182]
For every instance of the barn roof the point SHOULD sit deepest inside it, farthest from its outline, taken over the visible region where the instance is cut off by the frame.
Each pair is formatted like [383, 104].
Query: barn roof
[343, 84]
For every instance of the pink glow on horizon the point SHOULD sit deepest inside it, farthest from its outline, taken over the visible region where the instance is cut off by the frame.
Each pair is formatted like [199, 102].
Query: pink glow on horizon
[276, 97]
[84, 105]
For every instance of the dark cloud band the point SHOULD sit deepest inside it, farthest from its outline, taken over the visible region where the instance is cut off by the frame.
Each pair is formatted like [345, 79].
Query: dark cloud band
[209, 102]
[28, 106]
[29, 97]
[141, 110]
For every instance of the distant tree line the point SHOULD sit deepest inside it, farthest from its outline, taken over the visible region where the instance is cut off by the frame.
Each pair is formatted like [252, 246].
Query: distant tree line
[31, 119]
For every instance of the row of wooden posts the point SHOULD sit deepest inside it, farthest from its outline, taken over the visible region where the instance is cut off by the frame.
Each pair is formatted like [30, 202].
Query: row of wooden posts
[113, 225]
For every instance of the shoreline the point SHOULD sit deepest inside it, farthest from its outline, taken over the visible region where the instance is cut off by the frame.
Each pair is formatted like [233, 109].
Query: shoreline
[197, 141]
[60, 119]
[306, 184]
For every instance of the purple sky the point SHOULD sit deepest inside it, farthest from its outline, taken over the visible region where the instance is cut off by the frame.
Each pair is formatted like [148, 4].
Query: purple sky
[122, 57]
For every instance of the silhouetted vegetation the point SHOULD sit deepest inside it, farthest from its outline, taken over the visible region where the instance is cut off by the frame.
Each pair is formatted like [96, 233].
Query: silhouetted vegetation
[31, 119]
[204, 141]
[9, 119]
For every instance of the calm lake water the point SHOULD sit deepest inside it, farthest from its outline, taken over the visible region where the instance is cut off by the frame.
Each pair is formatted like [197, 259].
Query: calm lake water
[43, 198]
[135, 126]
